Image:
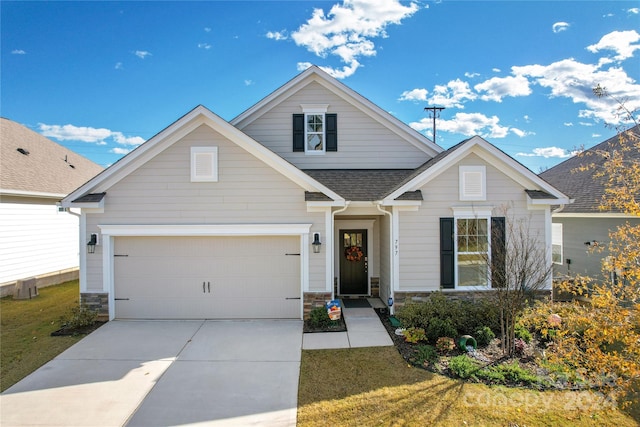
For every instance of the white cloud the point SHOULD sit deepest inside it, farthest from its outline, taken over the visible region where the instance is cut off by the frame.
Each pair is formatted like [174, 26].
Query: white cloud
[560, 26]
[205, 46]
[452, 95]
[120, 150]
[496, 70]
[277, 35]
[634, 10]
[596, 135]
[624, 43]
[18, 52]
[414, 95]
[469, 124]
[497, 88]
[347, 30]
[142, 54]
[118, 66]
[207, 29]
[87, 134]
[248, 82]
[549, 152]
[471, 75]
[568, 124]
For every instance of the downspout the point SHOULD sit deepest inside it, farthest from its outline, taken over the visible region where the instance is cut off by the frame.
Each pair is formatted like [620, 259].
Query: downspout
[333, 255]
[391, 257]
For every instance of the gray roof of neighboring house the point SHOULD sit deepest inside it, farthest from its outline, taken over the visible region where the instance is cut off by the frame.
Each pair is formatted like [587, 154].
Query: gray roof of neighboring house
[581, 185]
[41, 166]
[360, 184]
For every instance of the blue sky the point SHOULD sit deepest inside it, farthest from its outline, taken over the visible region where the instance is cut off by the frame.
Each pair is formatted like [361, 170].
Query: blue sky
[102, 77]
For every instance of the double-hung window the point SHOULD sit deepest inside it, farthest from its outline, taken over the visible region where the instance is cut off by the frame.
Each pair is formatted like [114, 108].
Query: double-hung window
[314, 133]
[472, 251]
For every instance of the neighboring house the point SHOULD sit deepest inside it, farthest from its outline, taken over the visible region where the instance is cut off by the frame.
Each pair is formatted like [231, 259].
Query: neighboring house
[312, 193]
[37, 239]
[579, 226]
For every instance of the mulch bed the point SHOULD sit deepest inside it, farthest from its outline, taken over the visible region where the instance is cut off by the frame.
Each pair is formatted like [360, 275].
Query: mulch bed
[65, 331]
[334, 326]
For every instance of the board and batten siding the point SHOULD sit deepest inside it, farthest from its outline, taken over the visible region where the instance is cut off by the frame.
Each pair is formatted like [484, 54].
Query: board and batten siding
[247, 192]
[35, 238]
[419, 231]
[362, 142]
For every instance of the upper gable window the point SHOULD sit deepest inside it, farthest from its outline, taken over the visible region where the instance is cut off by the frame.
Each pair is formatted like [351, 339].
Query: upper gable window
[204, 164]
[315, 131]
[473, 183]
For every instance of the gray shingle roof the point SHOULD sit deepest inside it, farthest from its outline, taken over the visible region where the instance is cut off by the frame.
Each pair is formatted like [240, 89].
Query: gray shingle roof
[47, 168]
[539, 194]
[360, 184]
[582, 185]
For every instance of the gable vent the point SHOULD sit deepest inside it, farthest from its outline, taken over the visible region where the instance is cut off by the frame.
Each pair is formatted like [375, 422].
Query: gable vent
[473, 184]
[23, 151]
[204, 164]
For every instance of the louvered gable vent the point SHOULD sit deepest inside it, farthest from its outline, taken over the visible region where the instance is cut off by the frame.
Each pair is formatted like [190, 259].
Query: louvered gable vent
[473, 183]
[204, 164]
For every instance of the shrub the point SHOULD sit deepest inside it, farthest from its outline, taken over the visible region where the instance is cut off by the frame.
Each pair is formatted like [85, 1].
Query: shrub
[79, 317]
[463, 366]
[483, 336]
[319, 318]
[440, 316]
[445, 344]
[413, 335]
[509, 373]
[522, 333]
[520, 345]
[427, 353]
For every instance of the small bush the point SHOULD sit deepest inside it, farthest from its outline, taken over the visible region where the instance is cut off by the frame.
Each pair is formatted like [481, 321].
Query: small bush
[463, 366]
[483, 336]
[509, 373]
[319, 318]
[79, 317]
[427, 353]
[440, 328]
[414, 335]
[520, 345]
[522, 333]
[445, 344]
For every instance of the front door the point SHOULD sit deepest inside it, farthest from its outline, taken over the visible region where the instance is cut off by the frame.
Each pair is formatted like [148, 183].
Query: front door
[354, 263]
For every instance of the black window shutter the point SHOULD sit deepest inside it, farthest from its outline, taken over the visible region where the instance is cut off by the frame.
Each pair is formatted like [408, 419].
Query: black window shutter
[298, 132]
[498, 252]
[331, 131]
[447, 253]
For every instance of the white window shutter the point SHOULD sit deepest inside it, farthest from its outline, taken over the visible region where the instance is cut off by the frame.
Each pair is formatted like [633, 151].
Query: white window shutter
[204, 164]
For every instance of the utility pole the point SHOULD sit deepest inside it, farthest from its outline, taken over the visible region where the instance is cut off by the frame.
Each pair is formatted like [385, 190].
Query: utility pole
[434, 112]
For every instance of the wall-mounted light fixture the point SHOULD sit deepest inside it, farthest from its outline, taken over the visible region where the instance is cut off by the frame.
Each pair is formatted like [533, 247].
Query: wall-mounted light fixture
[91, 245]
[591, 243]
[390, 302]
[316, 243]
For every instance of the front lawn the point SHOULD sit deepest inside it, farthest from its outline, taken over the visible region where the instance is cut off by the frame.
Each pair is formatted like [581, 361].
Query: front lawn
[26, 325]
[376, 387]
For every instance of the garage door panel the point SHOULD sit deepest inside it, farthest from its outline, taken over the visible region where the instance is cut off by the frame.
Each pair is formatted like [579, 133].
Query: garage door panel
[245, 277]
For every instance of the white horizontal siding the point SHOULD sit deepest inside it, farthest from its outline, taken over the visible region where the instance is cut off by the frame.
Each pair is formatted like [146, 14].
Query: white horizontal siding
[420, 231]
[36, 239]
[362, 141]
[247, 191]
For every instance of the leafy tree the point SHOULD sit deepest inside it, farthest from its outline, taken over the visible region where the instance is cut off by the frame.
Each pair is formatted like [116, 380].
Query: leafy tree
[600, 339]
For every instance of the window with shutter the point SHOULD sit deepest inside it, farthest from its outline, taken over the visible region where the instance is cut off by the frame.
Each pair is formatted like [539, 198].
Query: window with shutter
[315, 131]
[204, 164]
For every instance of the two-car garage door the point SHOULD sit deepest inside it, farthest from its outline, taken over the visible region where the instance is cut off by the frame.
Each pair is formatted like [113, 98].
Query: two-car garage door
[207, 277]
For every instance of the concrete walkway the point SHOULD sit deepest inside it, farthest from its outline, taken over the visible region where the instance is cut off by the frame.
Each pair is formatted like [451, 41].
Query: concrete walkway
[161, 373]
[364, 329]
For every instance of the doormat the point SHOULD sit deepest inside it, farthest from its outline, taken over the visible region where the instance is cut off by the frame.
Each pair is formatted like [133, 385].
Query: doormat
[355, 303]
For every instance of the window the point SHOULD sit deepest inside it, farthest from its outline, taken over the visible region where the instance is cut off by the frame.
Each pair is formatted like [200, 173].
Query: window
[204, 164]
[556, 243]
[315, 131]
[472, 251]
[473, 183]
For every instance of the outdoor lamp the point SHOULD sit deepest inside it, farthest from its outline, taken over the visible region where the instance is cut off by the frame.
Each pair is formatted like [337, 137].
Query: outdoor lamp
[390, 302]
[91, 245]
[316, 243]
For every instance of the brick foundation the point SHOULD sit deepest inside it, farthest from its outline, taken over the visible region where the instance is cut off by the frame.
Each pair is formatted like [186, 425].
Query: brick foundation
[98, 302]
[313, 300]
[375, 287]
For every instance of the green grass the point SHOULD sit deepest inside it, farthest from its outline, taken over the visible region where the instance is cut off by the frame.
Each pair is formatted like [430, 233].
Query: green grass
[375, 387]
[26, 325]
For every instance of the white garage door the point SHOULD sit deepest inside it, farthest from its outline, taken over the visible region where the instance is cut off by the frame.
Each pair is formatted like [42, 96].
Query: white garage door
[207, 277]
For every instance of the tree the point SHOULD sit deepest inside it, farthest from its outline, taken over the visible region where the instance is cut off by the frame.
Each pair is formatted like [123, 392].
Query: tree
[600, 340]
[520, 269]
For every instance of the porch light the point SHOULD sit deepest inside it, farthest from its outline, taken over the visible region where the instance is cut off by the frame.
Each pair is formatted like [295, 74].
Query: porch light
[390, 302]
[316, 243]
[91, 245]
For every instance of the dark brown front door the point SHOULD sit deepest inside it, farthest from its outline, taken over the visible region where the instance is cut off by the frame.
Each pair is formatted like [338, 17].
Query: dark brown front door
[353, 263]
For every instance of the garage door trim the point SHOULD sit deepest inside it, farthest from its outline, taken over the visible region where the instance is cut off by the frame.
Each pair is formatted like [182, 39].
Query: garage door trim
[109, 232]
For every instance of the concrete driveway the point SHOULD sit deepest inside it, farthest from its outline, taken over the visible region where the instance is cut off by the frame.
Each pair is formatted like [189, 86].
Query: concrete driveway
[166, 373]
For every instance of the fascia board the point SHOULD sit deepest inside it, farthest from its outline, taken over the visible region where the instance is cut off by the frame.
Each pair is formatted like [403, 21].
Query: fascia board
[595, 215]
[34, 194]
